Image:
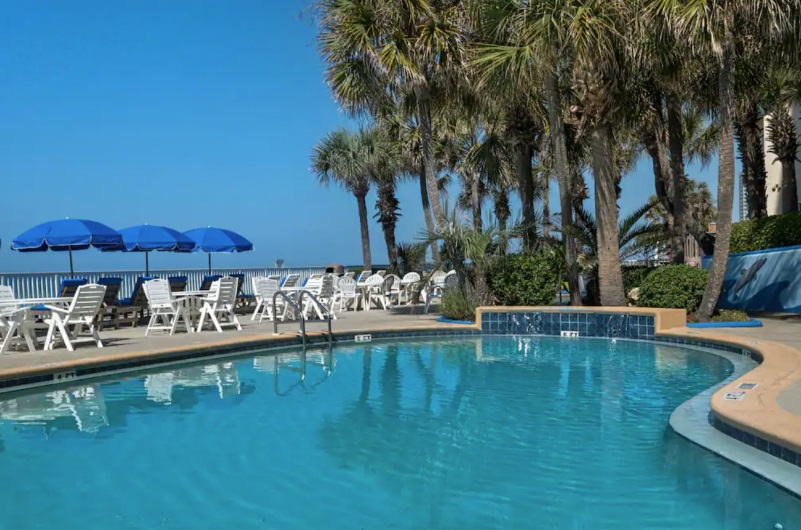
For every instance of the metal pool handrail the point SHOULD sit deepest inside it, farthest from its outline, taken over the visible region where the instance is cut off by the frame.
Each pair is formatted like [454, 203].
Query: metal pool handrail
[294, 306]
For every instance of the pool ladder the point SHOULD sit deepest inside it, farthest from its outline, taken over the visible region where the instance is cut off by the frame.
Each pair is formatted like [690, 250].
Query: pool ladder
[297, 308]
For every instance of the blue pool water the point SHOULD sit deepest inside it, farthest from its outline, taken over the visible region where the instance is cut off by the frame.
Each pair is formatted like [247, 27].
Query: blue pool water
[498, 432]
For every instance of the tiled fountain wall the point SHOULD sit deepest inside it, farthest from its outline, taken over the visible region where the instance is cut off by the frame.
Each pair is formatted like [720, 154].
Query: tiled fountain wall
[586, 324]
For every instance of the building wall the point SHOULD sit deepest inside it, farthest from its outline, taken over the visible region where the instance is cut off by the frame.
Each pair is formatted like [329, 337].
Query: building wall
[774, 169]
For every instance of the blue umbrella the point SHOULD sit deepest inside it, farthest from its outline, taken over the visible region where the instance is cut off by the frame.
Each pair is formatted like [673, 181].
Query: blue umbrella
[66, 235]
[218, 240]
[147, 238]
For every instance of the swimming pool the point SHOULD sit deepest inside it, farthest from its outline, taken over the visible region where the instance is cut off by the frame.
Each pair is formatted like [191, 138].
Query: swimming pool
[492, 432]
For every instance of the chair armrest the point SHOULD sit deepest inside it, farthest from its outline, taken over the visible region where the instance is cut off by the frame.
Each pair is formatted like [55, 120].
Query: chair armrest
[57, 309]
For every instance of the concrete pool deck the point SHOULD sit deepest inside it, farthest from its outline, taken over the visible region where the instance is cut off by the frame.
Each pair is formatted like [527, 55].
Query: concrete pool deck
[771, 411]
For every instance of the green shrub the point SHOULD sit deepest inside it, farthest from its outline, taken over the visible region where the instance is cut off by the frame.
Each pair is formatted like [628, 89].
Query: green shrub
[635, 276]
[458, 304]
[526, 279]
[768, 232]
[674, 286]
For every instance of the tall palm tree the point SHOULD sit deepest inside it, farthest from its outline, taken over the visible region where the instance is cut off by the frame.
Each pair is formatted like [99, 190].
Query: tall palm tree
[381, 50]
[341, 158]
[713, 27]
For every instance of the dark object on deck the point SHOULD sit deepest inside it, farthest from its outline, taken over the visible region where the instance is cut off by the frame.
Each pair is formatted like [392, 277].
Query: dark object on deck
[335, 268]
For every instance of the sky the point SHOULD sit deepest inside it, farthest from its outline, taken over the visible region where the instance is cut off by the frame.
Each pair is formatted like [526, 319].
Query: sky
[185, 113]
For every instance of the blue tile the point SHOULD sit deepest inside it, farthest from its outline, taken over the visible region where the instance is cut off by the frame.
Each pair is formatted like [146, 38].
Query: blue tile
[775, 450]
[789, 456]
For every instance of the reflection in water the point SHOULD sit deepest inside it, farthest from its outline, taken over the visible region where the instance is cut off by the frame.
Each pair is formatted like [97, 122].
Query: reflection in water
[224, 376]
[299, 364]
[83, 408]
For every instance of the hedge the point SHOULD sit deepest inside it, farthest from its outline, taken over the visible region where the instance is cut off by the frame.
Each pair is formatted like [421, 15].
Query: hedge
[768, 232]
[527, 279]
[674, 286]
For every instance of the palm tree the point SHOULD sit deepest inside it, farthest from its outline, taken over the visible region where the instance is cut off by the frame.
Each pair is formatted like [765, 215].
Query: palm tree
[340, 158]
[382, 160]
[379, 51]
[712, 27]
[784, 89]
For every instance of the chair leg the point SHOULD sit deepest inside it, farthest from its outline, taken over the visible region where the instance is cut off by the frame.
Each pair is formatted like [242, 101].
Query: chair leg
[202, 317]
[63, 328]
[93, 331]
[215, 321]
[48, 345]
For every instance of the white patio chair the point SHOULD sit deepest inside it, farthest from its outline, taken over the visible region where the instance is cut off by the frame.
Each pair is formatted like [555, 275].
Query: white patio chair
[269, 288]
[165, 311]
[397, 290]
[436, 286]
[409, 283]
[373, 284]
[381, 273]
[351, 275]
[14, 326]
[221, 302]
[259, 283]
[346, 294]
[325, 294]
[81, 313]
[382, 293]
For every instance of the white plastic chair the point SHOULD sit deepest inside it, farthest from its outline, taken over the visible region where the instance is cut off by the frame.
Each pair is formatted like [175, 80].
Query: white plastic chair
[382, 293]
[373, 284]
[409, 282]
[220, 302]
[81, 313]
[363, 277]
[397, 290]
[325, 294]
[346, 294]
[291, 281]
[269, 288]
[436, 286]
[165, 311]
[351, 275]
[14, 326]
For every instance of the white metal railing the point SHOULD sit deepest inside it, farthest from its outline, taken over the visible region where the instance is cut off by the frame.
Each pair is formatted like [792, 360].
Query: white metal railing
[46, 284]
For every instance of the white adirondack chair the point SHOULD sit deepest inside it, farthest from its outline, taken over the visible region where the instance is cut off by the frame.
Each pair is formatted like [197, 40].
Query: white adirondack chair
[325, 294]
[14, 327]
[165, 311]
[221, 303]
[268, 288]
[80, 314]
[346, 294]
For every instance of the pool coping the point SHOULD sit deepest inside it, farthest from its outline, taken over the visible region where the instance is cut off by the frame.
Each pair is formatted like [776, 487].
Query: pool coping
[757, 420]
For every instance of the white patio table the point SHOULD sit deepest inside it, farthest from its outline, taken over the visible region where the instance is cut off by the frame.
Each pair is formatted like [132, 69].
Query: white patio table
[23, 323]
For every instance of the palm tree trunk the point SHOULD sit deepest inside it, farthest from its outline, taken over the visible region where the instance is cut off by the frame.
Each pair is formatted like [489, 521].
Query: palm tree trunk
[368, 262]
[789, 190]
[748, 134]
[429, 164]
[676, 143]
[659, 178]
[387, 206]
[475, 202]
[546, 204]
[562, 168]
[525, 183]
[725, 181]
[610, 275]
[502, 209]
[427, 214]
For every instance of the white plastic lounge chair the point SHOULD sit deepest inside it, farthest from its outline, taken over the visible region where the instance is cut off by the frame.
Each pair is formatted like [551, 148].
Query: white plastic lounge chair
[81, 313]
[346, 294]
[14, 327]
[291, 281]
[350, 274]
[268, 288]
[381, 273]
[221, 302]
[258, 283]
[325, 294]
[165, 311]
[363, 277]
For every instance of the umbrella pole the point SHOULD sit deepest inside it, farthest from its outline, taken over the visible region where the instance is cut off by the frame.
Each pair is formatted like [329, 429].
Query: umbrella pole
[72, 271]
[209, 263]
[147, 263]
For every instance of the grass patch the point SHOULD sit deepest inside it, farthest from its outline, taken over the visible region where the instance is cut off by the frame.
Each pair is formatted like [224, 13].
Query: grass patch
[723, 315]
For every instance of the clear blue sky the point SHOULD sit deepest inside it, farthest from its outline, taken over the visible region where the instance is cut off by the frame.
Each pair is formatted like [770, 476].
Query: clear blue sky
[184, 113]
